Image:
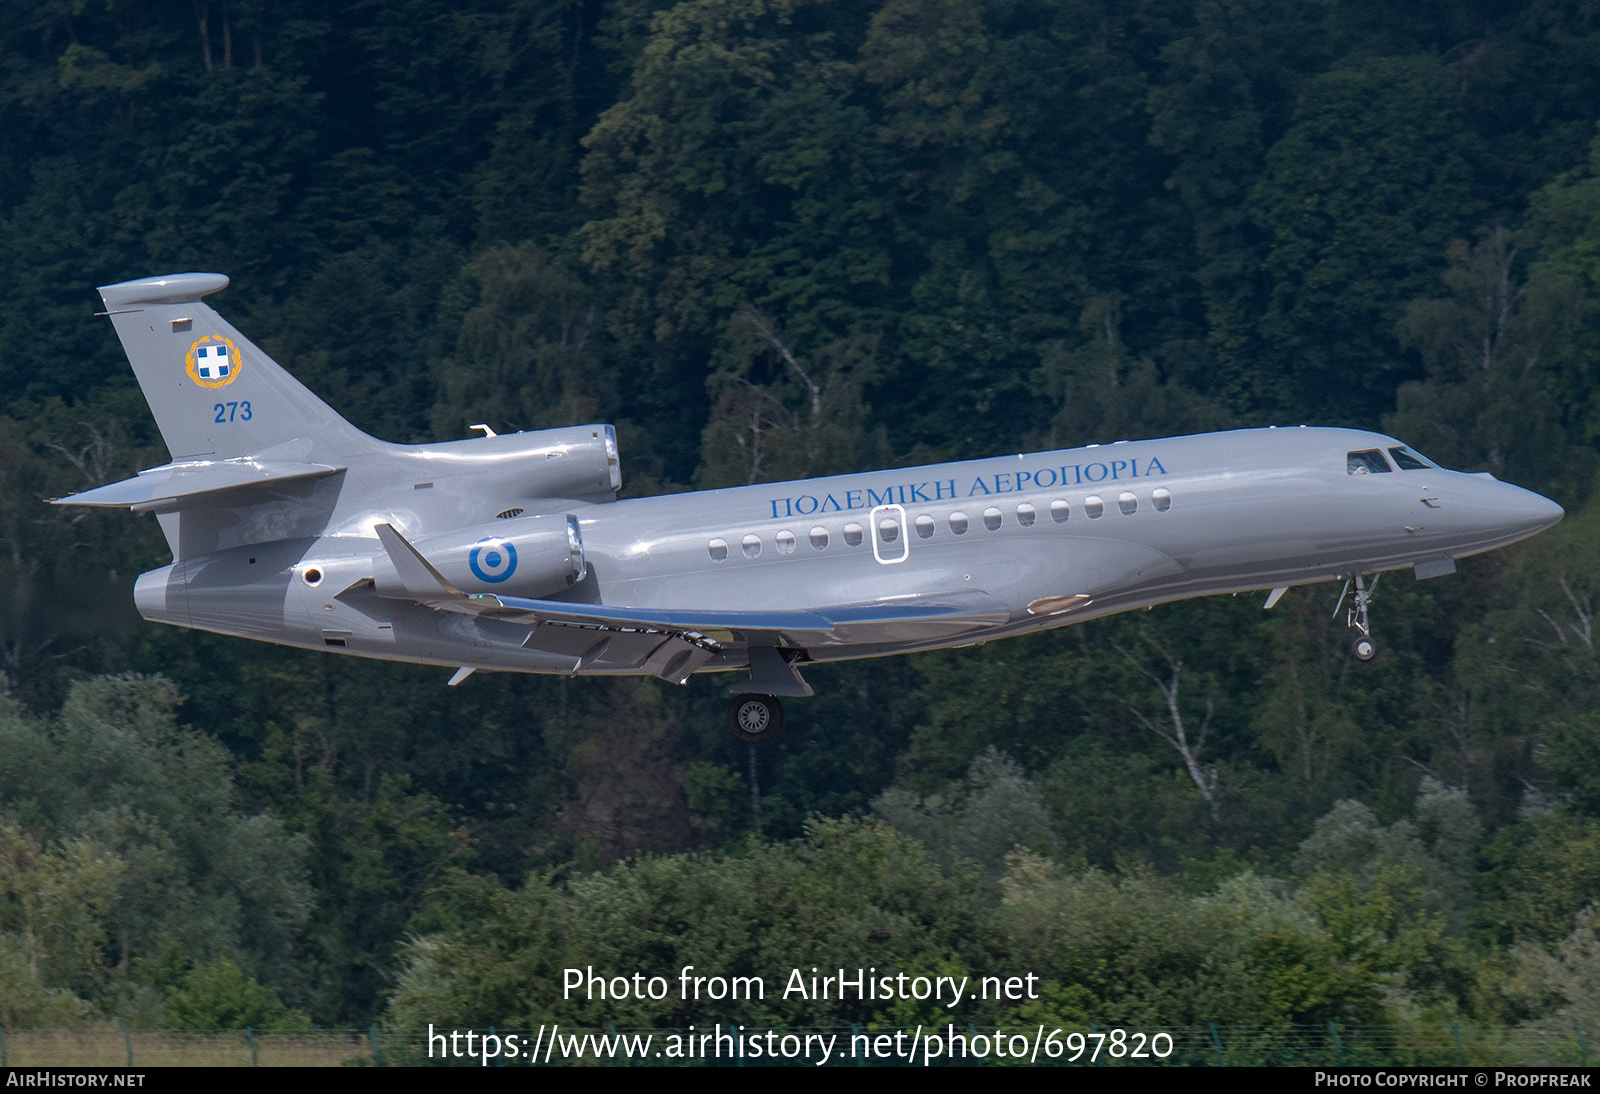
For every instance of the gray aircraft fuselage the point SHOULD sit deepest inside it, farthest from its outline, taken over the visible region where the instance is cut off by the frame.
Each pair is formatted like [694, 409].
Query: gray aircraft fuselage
[512, 553]
[1243, 510]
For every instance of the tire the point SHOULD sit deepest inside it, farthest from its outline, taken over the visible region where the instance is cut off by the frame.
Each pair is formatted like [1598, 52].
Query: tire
[755, 719]
[1364, 648]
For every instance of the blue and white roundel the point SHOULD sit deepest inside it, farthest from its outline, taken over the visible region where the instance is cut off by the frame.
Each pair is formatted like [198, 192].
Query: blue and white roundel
[493, 559]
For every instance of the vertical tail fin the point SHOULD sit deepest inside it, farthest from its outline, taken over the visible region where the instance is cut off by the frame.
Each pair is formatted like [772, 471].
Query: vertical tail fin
[214, 393]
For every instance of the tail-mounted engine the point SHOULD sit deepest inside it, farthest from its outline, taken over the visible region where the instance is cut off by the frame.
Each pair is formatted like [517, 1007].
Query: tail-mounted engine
[579, 462]
[525, 556]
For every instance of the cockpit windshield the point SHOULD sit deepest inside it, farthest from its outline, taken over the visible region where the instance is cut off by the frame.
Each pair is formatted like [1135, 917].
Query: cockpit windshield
[1407, 460]
[1367, 462]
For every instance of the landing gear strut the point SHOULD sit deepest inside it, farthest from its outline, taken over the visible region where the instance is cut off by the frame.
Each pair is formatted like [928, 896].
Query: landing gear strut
[755, 719]
[1364, 648]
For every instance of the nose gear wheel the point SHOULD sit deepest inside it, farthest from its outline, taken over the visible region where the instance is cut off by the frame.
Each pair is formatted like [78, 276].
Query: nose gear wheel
[1364, 648]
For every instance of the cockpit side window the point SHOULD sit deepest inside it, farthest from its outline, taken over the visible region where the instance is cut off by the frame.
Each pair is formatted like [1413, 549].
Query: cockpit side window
[1407, 460]
[1368, 462]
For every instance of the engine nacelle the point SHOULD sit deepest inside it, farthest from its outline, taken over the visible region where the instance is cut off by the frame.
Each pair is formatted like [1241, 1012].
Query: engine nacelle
[575, 462]
[524, 556]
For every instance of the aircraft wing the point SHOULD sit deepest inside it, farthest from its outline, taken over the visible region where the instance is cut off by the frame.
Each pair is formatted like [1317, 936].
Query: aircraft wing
[172, 485]
[665, 619]
[895, 619]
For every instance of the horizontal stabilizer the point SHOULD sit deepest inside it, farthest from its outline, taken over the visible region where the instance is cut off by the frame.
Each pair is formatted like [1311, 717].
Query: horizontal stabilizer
[175, 485]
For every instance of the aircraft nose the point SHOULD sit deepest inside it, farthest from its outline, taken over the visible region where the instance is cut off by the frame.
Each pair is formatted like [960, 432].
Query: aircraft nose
[1523, 513]
[1535, 512]
[1543, 512]
[1487, 513]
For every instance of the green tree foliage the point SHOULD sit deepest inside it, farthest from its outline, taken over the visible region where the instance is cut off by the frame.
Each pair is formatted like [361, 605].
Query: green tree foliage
[978, 821]
[375, 844]
[847, 893]
[1564, 222]
[220, 996]
[1489, 350]
[1359, 198]
[531, 350]
[1225, 91]
[731, 124]
[1129, 950]
[1529, 668]
[1563, 987]
[1543, 873]
[144, 835]
[53, 931]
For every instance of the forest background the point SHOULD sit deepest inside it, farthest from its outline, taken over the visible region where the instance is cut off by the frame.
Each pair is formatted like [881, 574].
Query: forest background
[776, 238]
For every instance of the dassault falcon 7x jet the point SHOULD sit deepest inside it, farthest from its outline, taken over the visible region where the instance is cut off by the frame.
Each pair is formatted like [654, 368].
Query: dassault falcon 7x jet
[512, 553]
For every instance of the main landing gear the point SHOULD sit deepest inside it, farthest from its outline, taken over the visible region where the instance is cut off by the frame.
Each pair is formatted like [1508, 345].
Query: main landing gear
[755, 719]
[1364, 648]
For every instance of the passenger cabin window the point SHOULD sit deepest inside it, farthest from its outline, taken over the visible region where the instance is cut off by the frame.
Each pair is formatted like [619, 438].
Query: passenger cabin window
[1026, 515]
[1161, 498]
[819, 538]
[1093, 506]
[992, 519]
[1060, 511]
[785, 540]
[1128, 502]
[752, 546]
[719, 550]
[958, 523]
[1407, 460]
[1367, 462]
[924, 527]
[852, 534]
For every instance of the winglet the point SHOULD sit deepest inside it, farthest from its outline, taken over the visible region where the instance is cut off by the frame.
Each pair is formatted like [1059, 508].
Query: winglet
[415, 571]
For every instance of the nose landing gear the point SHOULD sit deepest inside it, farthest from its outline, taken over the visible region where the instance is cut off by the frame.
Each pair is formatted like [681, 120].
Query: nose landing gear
[1364, 648]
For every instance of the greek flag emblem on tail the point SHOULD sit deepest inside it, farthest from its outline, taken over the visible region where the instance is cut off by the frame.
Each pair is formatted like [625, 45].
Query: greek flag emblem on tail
[213, 361]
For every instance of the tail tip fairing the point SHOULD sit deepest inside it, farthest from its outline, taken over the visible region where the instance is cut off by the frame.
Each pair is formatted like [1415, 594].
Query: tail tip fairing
[181, 288]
